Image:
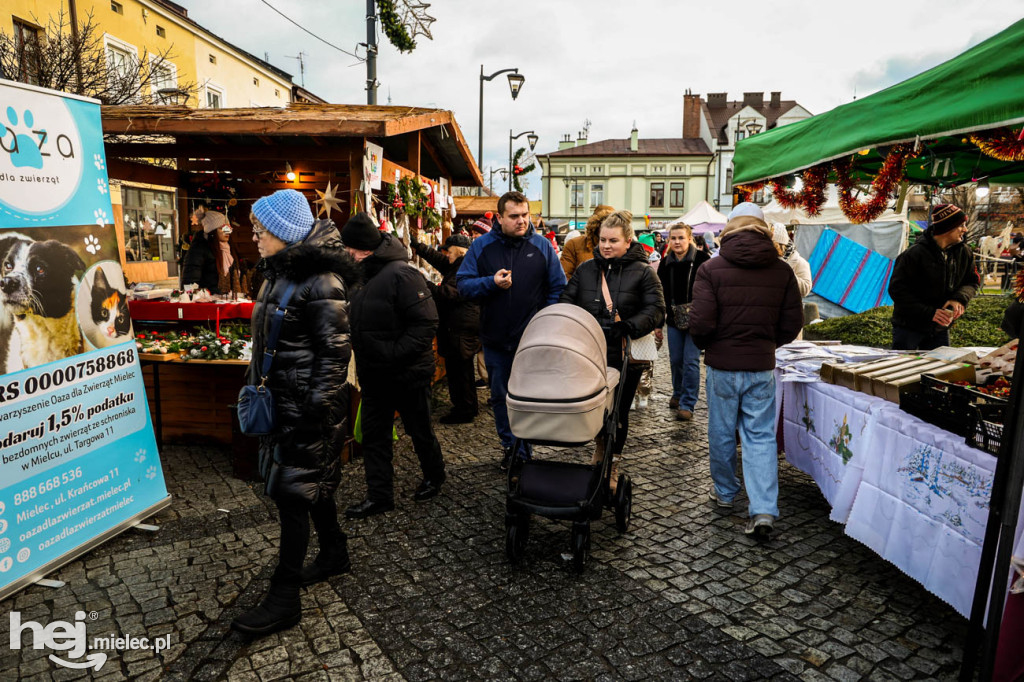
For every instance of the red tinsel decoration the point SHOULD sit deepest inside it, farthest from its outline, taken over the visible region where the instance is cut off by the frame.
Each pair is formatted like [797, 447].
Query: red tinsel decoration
[811, 197]
[743, 192]
[882, 187]
[1003, 144]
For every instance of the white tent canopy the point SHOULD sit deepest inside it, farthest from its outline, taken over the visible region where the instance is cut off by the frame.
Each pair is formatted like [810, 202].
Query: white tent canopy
[703, 214]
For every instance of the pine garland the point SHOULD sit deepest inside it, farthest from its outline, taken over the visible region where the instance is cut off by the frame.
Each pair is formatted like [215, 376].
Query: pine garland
[393, 27]
[518, 170]
[410, 197]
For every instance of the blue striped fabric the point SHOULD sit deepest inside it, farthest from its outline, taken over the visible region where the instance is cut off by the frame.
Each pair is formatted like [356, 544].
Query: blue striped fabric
[849, 274]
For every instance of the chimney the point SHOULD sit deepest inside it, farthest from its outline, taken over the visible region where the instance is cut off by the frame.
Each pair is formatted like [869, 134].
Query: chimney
[691, 116]
[566, 142]
[580, 140]
[717, 100]
[753, 99]
[634, 139]
[776, 100]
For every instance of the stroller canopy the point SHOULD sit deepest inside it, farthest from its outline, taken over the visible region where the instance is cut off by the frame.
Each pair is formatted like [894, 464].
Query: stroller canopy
[561, 356]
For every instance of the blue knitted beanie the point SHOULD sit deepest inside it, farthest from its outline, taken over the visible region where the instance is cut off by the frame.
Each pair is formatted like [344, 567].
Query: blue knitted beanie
[286, 214]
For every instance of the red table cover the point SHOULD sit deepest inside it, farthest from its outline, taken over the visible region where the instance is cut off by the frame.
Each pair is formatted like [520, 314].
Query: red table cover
[169, 311]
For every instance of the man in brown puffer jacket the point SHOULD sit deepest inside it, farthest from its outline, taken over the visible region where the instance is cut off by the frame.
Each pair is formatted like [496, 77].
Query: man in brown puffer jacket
[745, 304]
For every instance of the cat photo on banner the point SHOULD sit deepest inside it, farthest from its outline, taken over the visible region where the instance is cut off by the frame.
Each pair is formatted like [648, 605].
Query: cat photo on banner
[102, 306]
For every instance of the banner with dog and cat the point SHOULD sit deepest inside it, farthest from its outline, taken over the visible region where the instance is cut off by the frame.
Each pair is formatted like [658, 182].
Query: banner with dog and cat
[78, 458]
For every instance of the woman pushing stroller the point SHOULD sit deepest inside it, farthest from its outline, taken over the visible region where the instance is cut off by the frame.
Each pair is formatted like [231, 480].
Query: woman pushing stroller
[623, 293]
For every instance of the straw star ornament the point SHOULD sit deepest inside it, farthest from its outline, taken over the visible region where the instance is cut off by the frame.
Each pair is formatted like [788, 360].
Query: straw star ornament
[328, 201]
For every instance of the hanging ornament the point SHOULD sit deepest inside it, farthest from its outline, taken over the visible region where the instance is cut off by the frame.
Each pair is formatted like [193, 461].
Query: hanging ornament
[882, 187]
[328, 201]
[415, 19]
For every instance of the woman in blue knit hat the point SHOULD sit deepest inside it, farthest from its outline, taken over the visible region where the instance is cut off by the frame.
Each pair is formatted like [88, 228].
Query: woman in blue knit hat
[300, 460]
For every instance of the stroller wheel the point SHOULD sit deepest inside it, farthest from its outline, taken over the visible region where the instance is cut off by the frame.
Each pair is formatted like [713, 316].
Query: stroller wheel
[580, 544]
[517, 531]
[623, 503]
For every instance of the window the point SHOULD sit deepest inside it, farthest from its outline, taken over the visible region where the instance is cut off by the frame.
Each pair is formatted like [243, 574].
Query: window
[277, 93]
[122, 64]
[579, 170]
[161, 31]
[657, 195]
[597, 170]
[116, 7]
[26, 43]
[596, 194]
[214, 97]
[681, 170]
[150, 227]
[213, 59]
[675, 196]
[256, 81]
[740, 134]
[657, 169]
[163, 75]
[576, 198]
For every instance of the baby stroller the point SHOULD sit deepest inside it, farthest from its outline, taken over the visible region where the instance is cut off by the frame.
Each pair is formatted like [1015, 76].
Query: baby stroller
[560, 392]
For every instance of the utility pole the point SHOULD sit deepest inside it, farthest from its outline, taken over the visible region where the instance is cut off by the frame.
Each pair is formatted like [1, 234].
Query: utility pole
[371, 52]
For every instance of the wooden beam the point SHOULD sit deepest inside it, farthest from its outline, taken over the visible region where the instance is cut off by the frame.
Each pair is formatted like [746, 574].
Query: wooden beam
[265, 140]
[408, 124]
[241, 152]
[415, 141]
[432, 153]
[130, 171]
[326, 127]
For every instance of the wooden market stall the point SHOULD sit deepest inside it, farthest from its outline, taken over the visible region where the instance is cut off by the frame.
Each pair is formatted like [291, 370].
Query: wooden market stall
[229, 158]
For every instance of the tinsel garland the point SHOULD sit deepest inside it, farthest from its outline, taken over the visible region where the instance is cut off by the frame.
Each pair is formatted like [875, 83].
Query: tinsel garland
[1003, 144]
[811, 197]
[518, 170]
[393, 27]
[882, 187]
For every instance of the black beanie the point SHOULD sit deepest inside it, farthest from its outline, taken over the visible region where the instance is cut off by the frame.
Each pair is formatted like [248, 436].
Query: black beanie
[946, 217]
[360, 233]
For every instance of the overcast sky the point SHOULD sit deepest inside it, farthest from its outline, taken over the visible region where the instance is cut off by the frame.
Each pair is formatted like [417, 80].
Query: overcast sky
[609, 61]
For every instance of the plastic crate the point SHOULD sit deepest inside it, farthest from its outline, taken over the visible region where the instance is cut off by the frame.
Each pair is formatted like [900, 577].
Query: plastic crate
[919, 405]
[986, 431]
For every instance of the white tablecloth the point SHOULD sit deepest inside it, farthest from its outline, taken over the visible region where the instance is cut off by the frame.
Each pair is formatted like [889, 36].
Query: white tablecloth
[912, 492]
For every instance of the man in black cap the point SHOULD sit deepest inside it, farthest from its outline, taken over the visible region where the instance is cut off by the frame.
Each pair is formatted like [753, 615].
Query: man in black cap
[393, 321]
[458, 336]
[932, 282]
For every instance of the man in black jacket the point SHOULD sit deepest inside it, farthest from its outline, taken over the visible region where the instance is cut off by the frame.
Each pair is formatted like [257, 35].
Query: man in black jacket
[932, 282]
[393, 322]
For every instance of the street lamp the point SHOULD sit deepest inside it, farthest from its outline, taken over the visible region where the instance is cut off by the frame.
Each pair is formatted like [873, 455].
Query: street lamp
[575, 204]
[504, 174]
[515, 84]
[531, 138]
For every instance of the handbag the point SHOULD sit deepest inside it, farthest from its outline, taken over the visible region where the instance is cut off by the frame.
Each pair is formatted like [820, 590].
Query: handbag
[680, 311]
[641, 351]
[256, 413]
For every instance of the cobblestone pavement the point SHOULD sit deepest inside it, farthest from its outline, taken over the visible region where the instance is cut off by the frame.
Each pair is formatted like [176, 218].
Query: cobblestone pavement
[683, 595]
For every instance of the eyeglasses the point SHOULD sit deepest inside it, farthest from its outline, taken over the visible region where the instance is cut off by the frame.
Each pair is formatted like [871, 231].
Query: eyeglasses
[258, 233]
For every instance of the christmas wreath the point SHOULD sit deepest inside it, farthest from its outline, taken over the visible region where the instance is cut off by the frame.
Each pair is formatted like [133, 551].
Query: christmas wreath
[410, 196]
[518, 169]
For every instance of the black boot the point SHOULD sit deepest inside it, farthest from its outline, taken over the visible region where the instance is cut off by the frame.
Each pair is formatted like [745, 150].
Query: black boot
[279, 610]
[332, 560]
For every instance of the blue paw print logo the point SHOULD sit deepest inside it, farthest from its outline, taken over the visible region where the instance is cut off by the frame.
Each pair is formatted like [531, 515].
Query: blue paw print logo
[26, 152]
[101, 185]
[151, 473]
[97, 160]
[140, 456]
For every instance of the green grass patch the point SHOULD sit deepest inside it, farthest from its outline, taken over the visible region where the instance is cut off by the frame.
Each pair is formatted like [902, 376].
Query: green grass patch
[978, 327]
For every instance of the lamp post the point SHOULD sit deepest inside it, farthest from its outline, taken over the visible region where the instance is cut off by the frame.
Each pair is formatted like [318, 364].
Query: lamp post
[515, 84]
[531, 138]
[504, 174]
[572, 194]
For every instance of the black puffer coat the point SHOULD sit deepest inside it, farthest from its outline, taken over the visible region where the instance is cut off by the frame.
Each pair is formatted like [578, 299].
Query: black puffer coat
[458, 332]
[677, 276]
[746, 301]
[393, 322]
[200, 266]
[307, 377]
[924, 278]
[634, 288]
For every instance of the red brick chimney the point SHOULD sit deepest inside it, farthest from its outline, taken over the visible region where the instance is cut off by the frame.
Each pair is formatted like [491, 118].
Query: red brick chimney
[691, 116]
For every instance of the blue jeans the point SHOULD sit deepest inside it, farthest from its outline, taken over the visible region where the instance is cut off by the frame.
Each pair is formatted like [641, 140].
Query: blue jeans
[499, 366]
[744, 401]
[684, 357]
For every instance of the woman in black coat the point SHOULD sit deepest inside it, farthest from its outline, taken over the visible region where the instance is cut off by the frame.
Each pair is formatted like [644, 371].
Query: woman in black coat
[458, 331]
[300, 461]
[200, 264]
[636, 298]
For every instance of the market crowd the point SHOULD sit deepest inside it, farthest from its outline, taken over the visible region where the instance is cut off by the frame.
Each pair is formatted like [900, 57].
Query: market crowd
[335, 298]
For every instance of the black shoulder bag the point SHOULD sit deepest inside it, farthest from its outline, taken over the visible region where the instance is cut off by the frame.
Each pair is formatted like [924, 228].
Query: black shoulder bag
[256, 413]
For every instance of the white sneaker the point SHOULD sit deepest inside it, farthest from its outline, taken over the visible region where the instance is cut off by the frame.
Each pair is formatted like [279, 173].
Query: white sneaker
[642, 403]
[632, 405]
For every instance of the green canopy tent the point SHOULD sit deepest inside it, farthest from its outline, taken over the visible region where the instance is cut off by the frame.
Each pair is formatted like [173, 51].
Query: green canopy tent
[979, 90]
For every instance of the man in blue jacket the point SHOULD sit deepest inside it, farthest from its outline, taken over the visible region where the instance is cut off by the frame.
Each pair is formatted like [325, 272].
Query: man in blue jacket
[513, 272]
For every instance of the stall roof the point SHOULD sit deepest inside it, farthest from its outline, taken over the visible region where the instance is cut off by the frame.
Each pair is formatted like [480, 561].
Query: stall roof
[981, 89]
[213, 132]
[467, 206]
